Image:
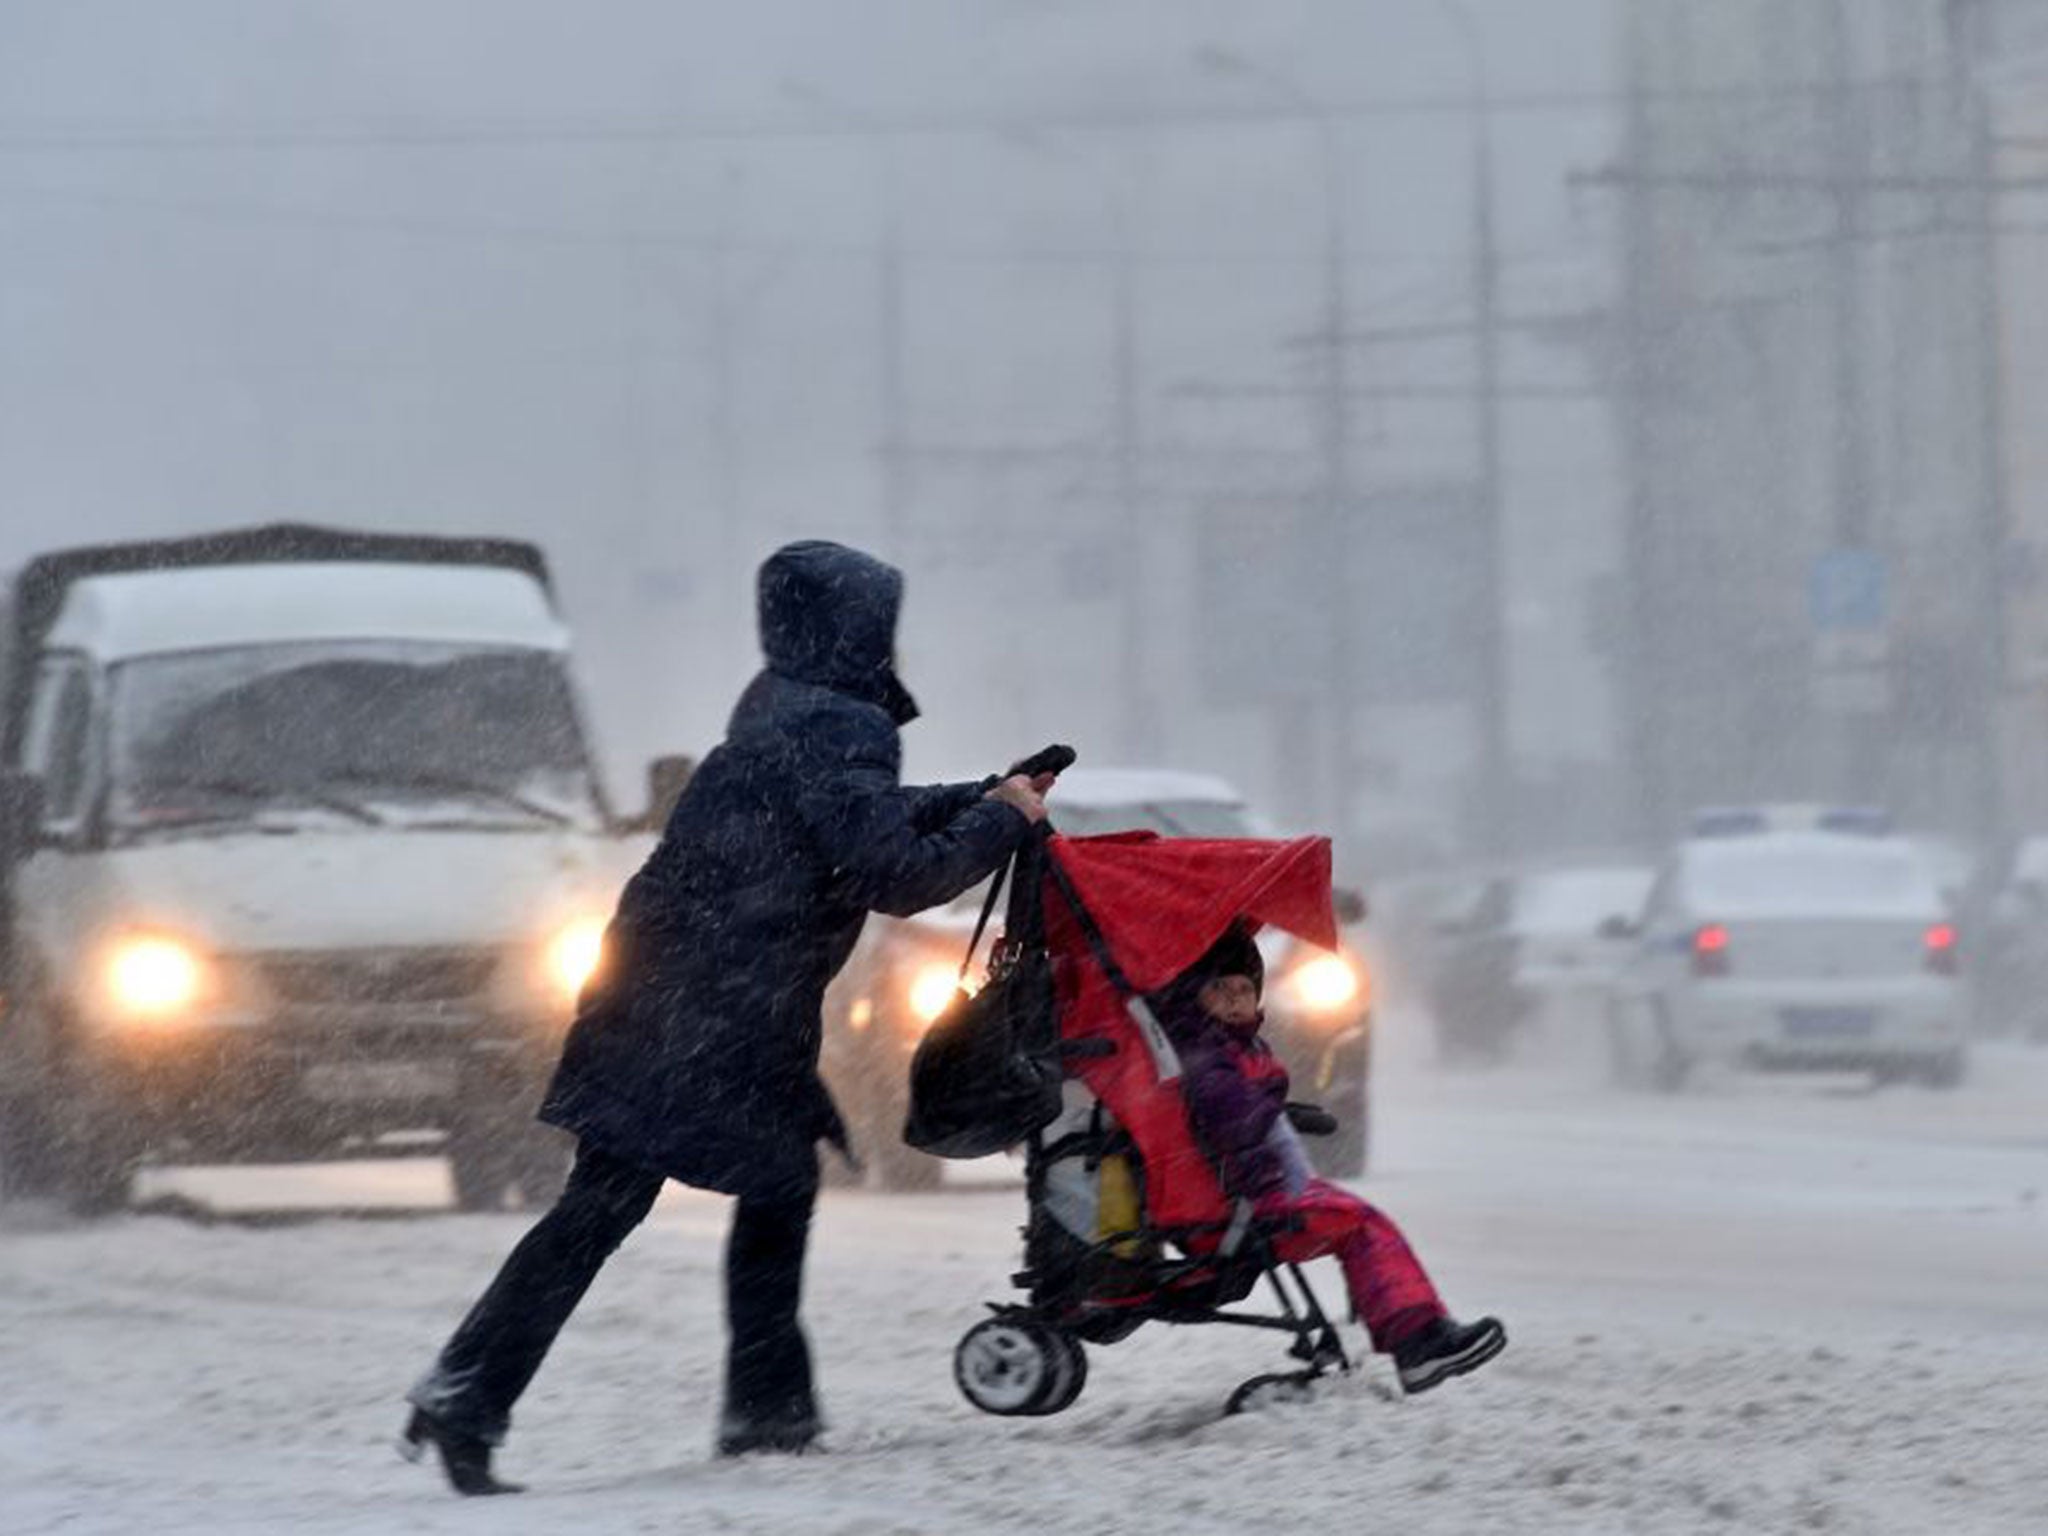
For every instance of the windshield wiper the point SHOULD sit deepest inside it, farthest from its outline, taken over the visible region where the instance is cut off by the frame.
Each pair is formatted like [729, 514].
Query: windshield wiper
[456, 784]
[250, 789]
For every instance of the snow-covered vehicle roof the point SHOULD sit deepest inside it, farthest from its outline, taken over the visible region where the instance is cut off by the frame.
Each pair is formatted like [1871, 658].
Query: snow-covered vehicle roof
[1578, 901]
[1811, 874]
[206, 607]
[1790, 816]
[1112, 787]
[2030, 861]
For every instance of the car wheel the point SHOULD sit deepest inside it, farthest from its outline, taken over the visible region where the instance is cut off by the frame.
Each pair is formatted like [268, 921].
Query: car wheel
[1946, 1070]
[541, 1166]
[27, 1157]
[494, 1162]
[28, 1131]
[903, 1168]
[1342, 1153]
[1669, 1065]
[1623, 1069]
[1670, 1069]
[87, 1143]
[93, 1156]
[479, 1168]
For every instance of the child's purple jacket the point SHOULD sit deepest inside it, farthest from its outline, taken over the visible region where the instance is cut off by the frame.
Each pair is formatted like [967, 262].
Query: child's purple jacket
[1236, 1091]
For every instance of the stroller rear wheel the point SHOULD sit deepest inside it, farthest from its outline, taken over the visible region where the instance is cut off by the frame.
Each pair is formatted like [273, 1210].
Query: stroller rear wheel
[1009, 1367]
[1069, 1376]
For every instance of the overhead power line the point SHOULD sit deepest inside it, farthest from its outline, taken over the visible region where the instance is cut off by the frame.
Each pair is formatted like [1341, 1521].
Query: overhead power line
[27, 135]
[214, 210]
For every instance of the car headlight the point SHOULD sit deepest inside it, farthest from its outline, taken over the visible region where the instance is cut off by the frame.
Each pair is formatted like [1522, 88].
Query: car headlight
[574, 954]
[932, 988]
[1325, 984]
[152, 978]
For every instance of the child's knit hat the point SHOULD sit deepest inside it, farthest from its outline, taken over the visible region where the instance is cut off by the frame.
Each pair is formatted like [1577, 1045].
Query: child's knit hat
[1235, 954]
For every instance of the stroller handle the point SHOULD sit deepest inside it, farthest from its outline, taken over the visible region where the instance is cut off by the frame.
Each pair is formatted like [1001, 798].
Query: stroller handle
[1055, 759]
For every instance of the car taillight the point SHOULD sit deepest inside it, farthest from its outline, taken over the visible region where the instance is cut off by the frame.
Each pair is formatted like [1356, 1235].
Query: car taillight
[1940, 948]
[1710, 950]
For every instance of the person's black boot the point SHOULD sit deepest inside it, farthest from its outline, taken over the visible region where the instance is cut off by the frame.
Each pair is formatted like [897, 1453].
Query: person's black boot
[1446, 1348]
[791, 1437]
[465, 1458]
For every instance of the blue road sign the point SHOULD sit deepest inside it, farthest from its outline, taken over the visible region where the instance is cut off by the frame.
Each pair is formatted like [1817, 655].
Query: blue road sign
[1847, 590]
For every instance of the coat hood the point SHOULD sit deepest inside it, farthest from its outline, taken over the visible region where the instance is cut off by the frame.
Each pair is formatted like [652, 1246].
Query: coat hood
[828, 618]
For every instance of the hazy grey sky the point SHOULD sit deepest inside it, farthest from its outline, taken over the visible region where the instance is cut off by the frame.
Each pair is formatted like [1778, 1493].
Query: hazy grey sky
[608, 276]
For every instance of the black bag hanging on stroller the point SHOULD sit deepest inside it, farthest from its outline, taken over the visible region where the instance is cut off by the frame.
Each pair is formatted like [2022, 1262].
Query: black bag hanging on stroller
[987, 1073]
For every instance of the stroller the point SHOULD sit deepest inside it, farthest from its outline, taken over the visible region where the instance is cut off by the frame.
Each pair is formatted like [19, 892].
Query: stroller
[1128, 1221]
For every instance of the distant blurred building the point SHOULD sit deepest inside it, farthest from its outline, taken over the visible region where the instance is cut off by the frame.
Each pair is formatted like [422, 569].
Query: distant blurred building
[1818, 542]
[2013, 74]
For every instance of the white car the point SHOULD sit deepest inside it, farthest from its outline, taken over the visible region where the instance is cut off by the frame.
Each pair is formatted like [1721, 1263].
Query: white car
[1793, 950]
[1569, 925]
[2011, 942]
[904, 972]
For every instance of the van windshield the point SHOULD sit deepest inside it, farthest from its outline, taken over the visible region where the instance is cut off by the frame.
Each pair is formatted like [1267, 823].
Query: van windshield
[368, 733]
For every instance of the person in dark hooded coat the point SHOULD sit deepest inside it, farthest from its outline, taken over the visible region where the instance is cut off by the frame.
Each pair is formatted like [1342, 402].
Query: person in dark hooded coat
[694, 1055]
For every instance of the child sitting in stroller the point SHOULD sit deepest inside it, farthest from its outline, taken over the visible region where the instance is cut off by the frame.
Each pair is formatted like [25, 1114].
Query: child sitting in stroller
[1236, 1092]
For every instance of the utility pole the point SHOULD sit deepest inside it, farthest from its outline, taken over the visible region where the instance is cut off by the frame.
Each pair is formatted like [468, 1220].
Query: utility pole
[1641, 669]
[1859, 766]
[1340, 708]
[1496, 777]
[1140, 713]
[895, 385]
[1330, 547]
[722, 422]
[1991, 821]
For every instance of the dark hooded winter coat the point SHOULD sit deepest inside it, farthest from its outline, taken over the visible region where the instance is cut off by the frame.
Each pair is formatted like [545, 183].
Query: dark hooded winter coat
[695, 1052]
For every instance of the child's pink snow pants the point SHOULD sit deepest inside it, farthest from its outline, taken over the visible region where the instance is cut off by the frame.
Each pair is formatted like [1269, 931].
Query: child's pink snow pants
[1391, 1293]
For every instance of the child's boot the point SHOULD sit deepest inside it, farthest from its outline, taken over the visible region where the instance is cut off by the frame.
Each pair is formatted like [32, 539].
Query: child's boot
[1445, 1348]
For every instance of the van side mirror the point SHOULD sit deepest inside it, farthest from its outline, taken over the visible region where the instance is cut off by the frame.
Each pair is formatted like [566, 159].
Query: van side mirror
[1349, 905]
[21, 814]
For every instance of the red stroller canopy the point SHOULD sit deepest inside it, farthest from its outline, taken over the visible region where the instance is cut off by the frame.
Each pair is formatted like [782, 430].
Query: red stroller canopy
[1161, 902]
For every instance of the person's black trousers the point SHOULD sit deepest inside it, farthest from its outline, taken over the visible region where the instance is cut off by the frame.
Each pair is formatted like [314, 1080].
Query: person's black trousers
[494, 1353]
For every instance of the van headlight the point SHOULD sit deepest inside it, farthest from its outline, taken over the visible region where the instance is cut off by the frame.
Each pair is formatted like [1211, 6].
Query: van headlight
[1325, 984]
[932, 988]
[574, 954]
[154, 978]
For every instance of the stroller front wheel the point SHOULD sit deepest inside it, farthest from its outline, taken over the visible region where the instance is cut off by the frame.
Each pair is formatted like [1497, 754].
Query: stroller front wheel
[1272, 1391]
[1012, 1368]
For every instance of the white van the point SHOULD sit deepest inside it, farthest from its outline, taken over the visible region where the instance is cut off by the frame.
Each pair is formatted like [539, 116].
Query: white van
[303, 854]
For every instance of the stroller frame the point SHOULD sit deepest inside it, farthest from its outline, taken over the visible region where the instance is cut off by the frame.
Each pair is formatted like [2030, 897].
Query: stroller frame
[1027, 1358]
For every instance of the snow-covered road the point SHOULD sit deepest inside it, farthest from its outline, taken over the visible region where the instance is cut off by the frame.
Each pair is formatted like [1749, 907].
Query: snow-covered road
[1760, 1307]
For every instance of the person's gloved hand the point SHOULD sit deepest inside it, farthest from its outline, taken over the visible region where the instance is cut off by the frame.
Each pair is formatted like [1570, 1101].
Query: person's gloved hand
[1025, 794]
